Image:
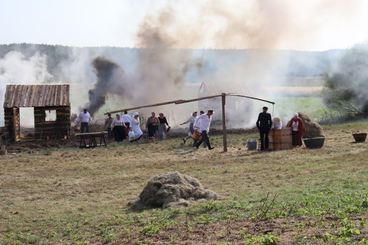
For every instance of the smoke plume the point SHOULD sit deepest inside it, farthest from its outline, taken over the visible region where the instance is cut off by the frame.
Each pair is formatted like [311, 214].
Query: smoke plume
[110, 80]
[347, 84]
[158, 75]
[161, 67]
[15, 67]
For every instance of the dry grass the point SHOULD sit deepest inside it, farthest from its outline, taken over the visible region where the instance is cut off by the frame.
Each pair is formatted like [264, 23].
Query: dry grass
[70, 195]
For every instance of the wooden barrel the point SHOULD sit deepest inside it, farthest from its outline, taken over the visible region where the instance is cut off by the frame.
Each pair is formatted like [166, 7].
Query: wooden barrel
[280, 139]
[196, 135]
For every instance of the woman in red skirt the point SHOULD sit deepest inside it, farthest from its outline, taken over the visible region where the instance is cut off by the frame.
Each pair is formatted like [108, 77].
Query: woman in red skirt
[297, 130]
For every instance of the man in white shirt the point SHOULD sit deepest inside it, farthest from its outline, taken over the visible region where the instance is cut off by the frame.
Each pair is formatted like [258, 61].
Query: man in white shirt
[202, 124]
[127, 119]
[84, 118]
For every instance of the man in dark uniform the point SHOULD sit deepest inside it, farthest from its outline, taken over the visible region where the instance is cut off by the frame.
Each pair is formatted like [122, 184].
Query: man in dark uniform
[264, 124]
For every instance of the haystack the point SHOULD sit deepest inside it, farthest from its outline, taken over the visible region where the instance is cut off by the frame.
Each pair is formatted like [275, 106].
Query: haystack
[172, 189]
[312, 129]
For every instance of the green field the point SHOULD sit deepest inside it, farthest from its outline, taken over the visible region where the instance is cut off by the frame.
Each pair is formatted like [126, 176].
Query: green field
[299, 196]
[310, 105]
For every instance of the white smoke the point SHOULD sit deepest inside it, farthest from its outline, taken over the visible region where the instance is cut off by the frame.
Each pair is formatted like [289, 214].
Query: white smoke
[77, 70]
[15, 68]
[161, 69]
[347, 82]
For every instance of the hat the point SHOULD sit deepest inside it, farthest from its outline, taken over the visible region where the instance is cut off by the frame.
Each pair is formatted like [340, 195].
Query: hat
[135, 114]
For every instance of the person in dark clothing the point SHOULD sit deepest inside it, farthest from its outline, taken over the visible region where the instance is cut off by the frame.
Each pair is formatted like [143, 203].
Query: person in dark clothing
[264, 124]
[108, 122]
[118, 128]
[152, 126]
[162, 129]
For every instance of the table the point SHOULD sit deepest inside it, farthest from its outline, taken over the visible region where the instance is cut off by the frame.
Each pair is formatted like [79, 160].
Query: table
[89, 140]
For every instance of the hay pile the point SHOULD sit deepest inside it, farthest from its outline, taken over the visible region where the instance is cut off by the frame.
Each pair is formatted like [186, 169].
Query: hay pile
[312, 129]
[171, 189]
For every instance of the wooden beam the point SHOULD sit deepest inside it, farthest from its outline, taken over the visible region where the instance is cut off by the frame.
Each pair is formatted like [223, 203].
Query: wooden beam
[177, 102]
[224, 132]
[250, 97]
[197, 99]
[144, 106]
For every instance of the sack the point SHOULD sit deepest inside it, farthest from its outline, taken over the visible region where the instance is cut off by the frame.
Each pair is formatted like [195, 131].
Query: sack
[131, 135]
[196, 135]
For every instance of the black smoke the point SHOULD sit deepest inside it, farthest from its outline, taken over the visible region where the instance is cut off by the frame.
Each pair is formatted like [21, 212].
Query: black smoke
[110, 80]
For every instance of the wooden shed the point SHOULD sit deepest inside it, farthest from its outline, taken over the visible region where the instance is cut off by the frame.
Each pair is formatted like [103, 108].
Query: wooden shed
[52, 99]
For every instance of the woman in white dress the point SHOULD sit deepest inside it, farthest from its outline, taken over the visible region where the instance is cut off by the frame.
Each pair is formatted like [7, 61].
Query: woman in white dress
[135, 133]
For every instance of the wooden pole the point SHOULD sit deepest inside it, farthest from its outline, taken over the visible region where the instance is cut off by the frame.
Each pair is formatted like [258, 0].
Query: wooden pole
[252, 98]
[144, 106]
[176, 102]
[224, 132]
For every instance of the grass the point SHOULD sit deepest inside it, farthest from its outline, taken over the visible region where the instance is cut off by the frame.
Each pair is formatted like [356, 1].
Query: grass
[301, 196]
[311, 105]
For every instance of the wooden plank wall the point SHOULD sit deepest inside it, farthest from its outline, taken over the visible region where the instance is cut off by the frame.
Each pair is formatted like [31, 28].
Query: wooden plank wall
[58, 129]
[8, 121]
[12, 123]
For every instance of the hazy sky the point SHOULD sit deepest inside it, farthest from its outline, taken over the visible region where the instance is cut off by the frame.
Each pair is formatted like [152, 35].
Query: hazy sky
[307, 24]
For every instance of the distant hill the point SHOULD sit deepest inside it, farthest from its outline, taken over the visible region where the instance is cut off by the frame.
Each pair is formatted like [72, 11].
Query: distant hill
[133, 76]
[297, 63]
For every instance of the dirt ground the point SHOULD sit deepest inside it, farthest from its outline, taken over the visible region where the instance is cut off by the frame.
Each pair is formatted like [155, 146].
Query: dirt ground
[59, 195]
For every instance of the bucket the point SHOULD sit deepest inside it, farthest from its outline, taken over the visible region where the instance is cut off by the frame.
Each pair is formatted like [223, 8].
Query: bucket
[360, 137]
[314, 143]
[252, 145]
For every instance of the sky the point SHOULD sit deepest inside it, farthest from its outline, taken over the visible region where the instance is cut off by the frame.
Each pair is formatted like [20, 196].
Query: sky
[293, 24]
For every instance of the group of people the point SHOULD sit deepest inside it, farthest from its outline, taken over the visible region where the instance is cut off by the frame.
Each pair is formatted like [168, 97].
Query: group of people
[199, 126]
[127, 126]
[157, 127]
[124, 127]
[121, 127]
[264, 124]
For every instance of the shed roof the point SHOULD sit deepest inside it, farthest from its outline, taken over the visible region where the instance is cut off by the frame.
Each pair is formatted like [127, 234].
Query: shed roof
[36, 96]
